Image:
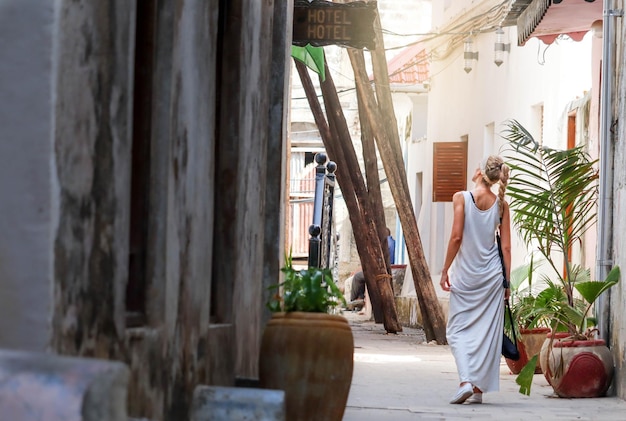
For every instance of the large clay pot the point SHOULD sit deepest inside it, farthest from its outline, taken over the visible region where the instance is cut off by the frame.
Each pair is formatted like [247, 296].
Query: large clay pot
[533, 340]
[516, 366]
[543, 354]
[311, 357]
[577, 369]
[529, 345]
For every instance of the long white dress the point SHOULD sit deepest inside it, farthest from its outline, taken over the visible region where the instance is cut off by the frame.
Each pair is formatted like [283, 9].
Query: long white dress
[476, 311]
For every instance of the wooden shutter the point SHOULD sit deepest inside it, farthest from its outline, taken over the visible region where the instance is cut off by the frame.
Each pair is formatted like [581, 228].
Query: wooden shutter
[449, 169]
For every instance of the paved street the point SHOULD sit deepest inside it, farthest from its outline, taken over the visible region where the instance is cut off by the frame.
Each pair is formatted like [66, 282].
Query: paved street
[400, 377]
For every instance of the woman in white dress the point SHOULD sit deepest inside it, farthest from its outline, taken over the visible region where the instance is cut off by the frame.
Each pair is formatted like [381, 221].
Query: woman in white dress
[475, 283]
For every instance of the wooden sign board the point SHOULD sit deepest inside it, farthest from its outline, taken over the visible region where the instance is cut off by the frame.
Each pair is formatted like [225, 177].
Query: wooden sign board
[324, 23]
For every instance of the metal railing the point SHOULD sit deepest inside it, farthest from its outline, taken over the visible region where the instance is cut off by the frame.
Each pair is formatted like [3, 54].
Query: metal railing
[321, 249]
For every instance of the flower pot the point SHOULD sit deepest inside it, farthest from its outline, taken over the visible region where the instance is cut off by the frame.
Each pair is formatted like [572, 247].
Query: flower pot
[533, 340]
[516, 366]
[543, 354]
[529, 345]
[310, 357]
[577, 369]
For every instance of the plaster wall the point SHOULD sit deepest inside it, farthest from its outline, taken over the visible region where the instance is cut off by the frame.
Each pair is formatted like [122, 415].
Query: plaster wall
[474, 106]
[616, 296]
[26, 48]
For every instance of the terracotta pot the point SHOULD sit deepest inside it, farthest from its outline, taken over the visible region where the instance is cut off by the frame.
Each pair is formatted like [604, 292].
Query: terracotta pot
[516, 366]
[577, 369]
[529, 345]
[311, 357]
[543, 354]
[533, 340]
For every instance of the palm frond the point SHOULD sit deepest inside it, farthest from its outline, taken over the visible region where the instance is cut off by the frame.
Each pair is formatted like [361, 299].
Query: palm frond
[553, 192]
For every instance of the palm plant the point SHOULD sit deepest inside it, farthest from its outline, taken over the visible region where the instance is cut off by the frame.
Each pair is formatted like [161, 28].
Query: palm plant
[553, 197]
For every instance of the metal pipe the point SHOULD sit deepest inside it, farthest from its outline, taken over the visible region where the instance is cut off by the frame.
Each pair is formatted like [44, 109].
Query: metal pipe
[605, 200]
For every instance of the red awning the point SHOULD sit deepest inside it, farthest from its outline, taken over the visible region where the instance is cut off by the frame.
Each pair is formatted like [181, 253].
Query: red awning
[547, 19]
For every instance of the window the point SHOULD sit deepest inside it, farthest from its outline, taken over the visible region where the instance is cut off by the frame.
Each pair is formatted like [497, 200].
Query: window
[449, 169]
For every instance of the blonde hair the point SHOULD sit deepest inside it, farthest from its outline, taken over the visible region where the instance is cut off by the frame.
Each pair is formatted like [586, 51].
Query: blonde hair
[494, 170]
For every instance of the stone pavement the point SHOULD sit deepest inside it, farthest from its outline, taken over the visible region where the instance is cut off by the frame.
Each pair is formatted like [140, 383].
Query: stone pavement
[401, 377]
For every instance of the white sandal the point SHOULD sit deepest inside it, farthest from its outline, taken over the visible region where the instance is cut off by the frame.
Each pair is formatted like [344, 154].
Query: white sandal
[475, 398]
[464, 392]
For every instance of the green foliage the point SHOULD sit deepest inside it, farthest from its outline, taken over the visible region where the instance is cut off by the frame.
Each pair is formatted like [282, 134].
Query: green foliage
[309, 290]
[554, 199]
[523, 300]
[525, 376]
[553, 195]
[591, 290]
[552, 304]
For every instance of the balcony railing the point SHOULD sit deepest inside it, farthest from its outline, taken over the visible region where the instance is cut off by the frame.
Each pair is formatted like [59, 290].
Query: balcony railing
[321, 231]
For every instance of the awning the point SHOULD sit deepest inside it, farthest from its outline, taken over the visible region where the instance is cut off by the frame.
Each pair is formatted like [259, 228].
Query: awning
[547, 19]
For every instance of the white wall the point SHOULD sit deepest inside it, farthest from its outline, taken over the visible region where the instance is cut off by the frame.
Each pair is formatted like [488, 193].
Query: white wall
[476, 104]
[25, 173]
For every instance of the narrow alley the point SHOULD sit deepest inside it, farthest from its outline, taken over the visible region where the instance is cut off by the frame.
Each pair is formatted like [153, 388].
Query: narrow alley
[401, 377]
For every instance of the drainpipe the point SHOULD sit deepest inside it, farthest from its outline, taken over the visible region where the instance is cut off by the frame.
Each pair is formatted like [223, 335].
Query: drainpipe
[604, 260]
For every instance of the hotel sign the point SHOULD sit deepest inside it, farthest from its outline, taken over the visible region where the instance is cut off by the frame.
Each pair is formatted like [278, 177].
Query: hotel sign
[324, 23]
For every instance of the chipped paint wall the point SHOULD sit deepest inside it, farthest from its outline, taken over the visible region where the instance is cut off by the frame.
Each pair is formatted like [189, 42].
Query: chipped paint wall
[92, 91]
[216, 187]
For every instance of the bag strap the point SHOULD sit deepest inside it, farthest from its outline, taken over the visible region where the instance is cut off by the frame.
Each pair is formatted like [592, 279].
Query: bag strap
[508, 309]
[505, 282]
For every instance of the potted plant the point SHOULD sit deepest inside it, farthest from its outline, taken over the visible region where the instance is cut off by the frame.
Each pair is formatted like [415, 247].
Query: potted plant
[306, 351]
[553, 199]
[531, 329]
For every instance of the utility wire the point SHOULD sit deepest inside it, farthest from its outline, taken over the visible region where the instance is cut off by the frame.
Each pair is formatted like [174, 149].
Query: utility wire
[487, 21]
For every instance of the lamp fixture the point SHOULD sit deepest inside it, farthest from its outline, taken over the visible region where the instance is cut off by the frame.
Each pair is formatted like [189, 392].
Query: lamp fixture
[500, 47]
[468, 54]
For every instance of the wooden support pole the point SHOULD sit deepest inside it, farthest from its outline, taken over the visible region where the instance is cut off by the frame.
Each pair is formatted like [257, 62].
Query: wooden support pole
[387, 139]
[338, 143]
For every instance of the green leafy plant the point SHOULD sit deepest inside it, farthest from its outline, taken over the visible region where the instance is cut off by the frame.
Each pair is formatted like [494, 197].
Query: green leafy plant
[554, 198]
[553, 304]
[308, 290]
[523, 298]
